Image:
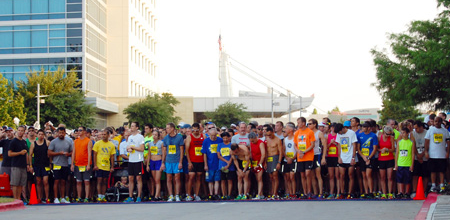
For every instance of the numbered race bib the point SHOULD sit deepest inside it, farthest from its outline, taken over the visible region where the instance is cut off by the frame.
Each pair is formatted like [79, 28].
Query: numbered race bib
[403, 153]
[332, 150]
[244, 163]
[365, 151]
[302, 146]
[154, 150]
[290, 154]
[198, 151]
[385, 154]
[438, 138]
[213, 148]
[270, 159]
[56, 167]
[82, 169]
[344, 148]
[254, 163]
[104, 162]
[225, 152]
[47, 169]
[172, 149]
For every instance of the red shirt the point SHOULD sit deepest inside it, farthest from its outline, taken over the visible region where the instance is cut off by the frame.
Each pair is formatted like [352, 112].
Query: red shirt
[385, 144]
[195, 149]
[255, 150]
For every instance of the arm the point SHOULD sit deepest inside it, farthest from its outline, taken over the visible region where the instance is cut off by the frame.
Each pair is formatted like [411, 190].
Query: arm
[141, 148]
[205, 162]
[72, 166]
[427, 147]
[163, 159]
[353, 154]
[95, 160]
[324, 145]
[88, 167]
[411, 168]
[31, 153]
[236, 164]
[111, 159]
[396, 157]
[180, 163]
[263, 153]
[247, 158]
[375, 150]
[187, 143]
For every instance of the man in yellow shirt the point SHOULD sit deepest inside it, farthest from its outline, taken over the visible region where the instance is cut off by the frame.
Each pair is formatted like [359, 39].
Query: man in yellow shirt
[104, 152]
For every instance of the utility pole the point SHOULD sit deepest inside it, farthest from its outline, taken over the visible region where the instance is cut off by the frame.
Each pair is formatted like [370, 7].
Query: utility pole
[39, 96]
[272, 105]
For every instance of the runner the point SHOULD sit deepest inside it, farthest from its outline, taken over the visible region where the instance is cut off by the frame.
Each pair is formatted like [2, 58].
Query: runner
[60, 150]
[154, 165]
[273, 165]
[226, 166]
[436, 151]
[135, 146]
[241, 162]
[319, 158]
[20, 163]
[346, 141]
[332, 163]
[6, 164]
[420, 161]
[386, 161]
[211, 161]
[279, 130]
[304, 142]
[404, 164]
[172, 160]
[147, 176]
[367, 148]
[194, 156]
[104, 152]
[289, 163]
[241, 139]
[81, 163]
[41, 165]
[258, 152]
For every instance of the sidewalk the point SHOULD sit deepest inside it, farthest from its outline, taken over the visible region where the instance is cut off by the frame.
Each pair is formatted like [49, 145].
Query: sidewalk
[440, 209]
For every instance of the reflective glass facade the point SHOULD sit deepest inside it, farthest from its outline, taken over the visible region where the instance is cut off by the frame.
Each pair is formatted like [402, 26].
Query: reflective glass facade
[12, 10]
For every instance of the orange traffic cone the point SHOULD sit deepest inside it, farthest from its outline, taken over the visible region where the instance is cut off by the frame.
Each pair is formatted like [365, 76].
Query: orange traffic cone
[33, 197]
[419, 192]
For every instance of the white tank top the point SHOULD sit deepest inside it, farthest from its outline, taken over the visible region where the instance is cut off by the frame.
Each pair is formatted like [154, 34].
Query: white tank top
[289, 147]
[317, 149]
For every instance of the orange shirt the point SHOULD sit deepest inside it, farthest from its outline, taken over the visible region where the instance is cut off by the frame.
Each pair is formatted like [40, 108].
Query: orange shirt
[81, 151]
[303, 139]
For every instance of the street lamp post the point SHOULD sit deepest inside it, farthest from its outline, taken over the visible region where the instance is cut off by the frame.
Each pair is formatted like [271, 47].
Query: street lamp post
[39, 96]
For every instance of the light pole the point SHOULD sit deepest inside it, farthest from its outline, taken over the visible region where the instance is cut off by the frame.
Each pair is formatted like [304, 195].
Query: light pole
[39, 96]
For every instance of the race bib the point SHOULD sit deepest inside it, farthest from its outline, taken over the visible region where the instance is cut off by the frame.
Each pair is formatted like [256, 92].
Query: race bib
[244, 163]
[438, 138]
[47, 169]
[225, 152]
[365, 151]
[172, 149]
[290, 154]
[56, 167]
[198, 151]
[104, 162]
[403, 153]
[344, 148]
[82, 169]
[332, 150]
[213, 148]
[154, 150]
[302, 146]
[385, 154]
[254, 163]
[270, 159]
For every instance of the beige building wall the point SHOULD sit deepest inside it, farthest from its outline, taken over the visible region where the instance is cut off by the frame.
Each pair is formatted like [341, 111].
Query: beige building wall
[185, 110]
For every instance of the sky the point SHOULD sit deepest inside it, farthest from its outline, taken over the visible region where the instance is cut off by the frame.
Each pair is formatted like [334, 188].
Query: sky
[310, 47]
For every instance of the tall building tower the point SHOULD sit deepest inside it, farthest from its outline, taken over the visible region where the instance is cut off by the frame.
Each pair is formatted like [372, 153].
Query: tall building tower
[110, 43]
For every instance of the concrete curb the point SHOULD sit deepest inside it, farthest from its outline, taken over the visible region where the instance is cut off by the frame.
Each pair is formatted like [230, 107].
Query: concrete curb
[423, 213]
[9, 206]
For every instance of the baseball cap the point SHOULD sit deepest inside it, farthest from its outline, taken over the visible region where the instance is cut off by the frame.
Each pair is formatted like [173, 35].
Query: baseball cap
[321, 124]
[8, 129]
[223, 128]
[186, 126]
[232, 125]
[347, 124]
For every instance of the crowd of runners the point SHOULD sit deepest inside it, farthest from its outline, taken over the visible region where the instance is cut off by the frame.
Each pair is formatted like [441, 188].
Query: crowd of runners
[303, 160]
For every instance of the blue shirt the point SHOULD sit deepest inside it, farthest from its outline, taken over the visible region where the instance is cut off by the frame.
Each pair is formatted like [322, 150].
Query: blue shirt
[225, 149]
[367, 141]
[210, 149]
[173, 145]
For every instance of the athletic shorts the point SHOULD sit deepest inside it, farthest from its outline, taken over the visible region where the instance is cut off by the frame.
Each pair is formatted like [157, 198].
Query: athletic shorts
[272, 165]
[30, 176]
[40, 171]
[61, 174]
[421, 169]
[385, 164]
[332, 161]
[213, 175]
[287, 168]
[304, 165]
[372, 165]
[102, 174]
[437, 165]
[404, 175]
[241, 166]
[197, 168]
[80, 176]
[18, 176]
[316, 162]
[345, 165]
[135, 169]
[172, 168]
[155, 165]
[185, 165]
[231, 175]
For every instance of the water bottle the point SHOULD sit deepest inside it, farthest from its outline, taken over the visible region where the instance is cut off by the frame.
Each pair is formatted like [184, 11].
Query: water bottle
[206, 175]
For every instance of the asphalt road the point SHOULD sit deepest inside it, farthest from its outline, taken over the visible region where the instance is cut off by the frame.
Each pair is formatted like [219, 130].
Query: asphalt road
[274, 210]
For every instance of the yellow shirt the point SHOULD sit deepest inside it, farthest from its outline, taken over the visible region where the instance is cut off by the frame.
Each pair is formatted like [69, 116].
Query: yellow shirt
[104, 151]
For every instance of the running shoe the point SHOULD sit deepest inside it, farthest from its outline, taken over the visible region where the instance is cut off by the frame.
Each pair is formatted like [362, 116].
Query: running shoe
[138, 199]
[86, 200]
[128, 200]
[433, 189]
[331, 196]
[442, 189]
[63, 200]
[383, 196]
[303, 196]
[104, 199]
[244, 197]
[312, 196]
[320, 196]
[170, 199]
[197, 198]
[189, 198]
[399, 196]
[177, 198]
[390, 196]
[407, 196]
[363, 196]
[78, 200]
[350, 196]
[56, 201]
[48, 201]
[239, 197]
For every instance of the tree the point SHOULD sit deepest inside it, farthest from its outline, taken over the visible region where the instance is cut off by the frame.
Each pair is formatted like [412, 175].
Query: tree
[65, 101]
[314, 112]
[228, 113]
[155, 109]
[12, 104]
[397, 111]
[418, 70]
[335, 110]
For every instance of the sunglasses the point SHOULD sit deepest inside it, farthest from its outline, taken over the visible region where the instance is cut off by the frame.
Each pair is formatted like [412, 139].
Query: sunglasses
[211, 128]
[194, 130]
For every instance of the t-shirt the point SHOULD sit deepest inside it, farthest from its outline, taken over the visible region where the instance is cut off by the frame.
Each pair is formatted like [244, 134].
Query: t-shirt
[225, 152]
[104, 151]
[317, 143]
[289, 148]
[173, 149]
[437, 137]
[346, 141]
[4, 144]
[17, 145]
[123, 149]
[155, 148]
[420, 143]
[58, 145]
[147, 140]
[135, 140]
[367, 141]
[281, 136]
[81, 151]
[240, 139]
[209, 148]
[303, 139]
[404, 153]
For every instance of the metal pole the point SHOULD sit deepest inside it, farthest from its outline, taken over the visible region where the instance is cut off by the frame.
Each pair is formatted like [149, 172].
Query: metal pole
[289, 103]
[38, 102]
[301, 100]
[272, 105]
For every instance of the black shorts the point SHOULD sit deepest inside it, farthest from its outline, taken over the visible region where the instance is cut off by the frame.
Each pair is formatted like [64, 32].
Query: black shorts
[135, 169]
[437, 165]
[345, 165]
[39, 171]
[385, 164]
[197, 168]
[102, 174]
[242, 166]
[287, 168]
[231, 175]
[372, 165]
[404, 175]
[332, 161]
[421, 169]
[61, 174]
[304, 165]
[316, 162]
